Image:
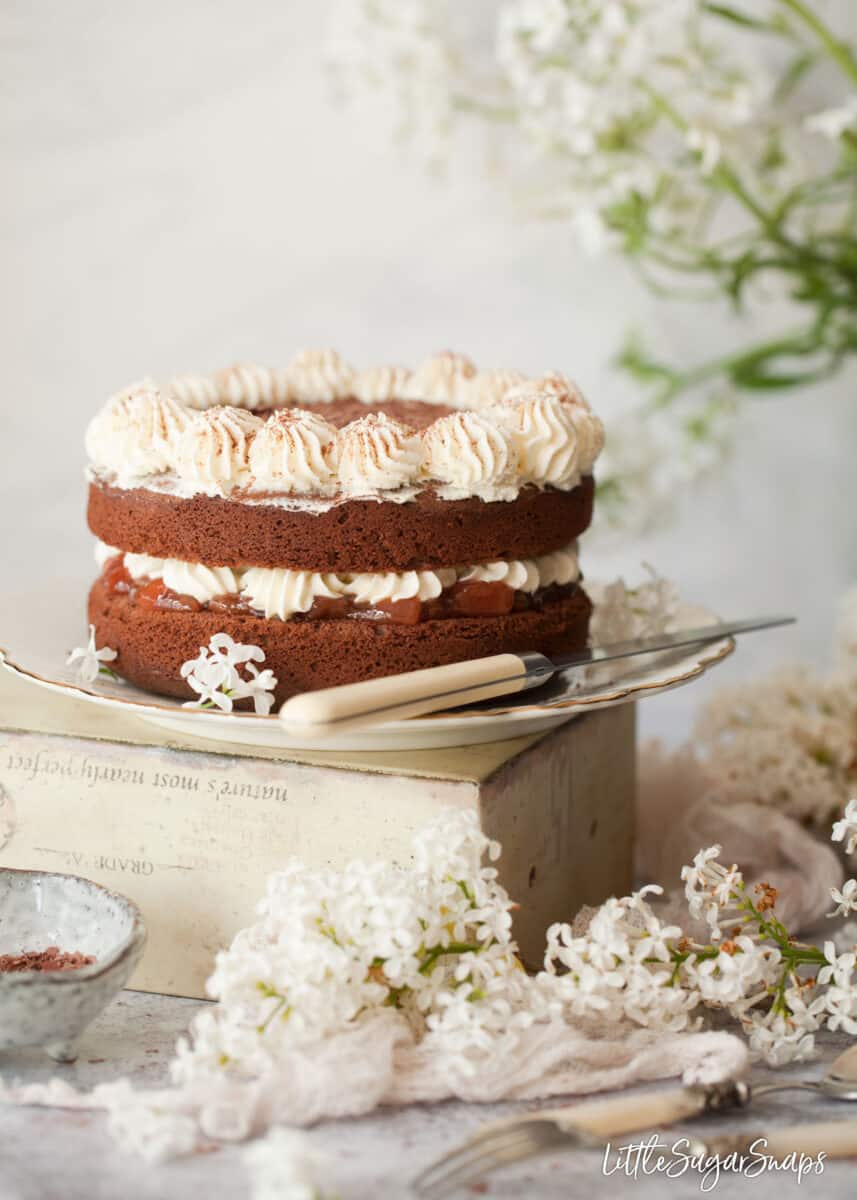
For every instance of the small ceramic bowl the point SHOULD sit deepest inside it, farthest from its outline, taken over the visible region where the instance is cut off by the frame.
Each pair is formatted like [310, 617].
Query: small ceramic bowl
[39, 909]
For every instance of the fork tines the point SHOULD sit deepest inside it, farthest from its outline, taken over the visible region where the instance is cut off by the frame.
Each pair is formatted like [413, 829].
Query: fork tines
[485, 1152]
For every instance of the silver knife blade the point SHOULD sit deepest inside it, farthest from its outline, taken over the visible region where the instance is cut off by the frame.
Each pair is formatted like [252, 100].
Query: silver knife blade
[540, 668]
[371, 700]
[666, 641]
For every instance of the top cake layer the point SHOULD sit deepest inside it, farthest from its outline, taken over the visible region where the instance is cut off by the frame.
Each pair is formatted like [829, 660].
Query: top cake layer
[317, 433]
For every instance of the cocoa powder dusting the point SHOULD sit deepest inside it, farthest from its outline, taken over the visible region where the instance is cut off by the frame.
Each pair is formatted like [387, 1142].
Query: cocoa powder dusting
[52, 959]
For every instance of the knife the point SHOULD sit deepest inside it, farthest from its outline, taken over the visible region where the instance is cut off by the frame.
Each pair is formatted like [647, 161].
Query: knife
[395, 697]
[830, 1139]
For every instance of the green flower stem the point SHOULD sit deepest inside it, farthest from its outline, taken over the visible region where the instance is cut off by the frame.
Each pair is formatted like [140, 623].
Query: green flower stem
[282, 1005]
[795, 954]
[726, 175]
[730, 179]
[728, 13]
[769, 928]
[436, 952]
[836, 49]
[800, 258]
[746, 365]
[492, 112]
[210, 703]
[462, 885]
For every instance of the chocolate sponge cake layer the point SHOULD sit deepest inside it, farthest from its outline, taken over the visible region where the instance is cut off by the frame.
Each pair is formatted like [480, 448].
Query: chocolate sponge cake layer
[152, 644]
[353, 536]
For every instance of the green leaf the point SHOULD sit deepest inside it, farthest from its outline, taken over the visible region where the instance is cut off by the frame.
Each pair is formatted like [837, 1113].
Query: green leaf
[634, 359]
[774, 155]
[760, 380]
[728, 13]
[794, 73]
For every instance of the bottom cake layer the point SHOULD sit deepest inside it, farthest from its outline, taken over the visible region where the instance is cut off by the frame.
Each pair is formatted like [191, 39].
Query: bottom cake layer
[153, 643]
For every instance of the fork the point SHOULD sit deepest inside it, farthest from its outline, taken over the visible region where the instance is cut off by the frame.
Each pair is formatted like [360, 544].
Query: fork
[575, 1125]
[583, 1125]
[821, 1139]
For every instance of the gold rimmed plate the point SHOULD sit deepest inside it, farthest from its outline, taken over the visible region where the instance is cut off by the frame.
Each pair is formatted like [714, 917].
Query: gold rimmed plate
[42, 661]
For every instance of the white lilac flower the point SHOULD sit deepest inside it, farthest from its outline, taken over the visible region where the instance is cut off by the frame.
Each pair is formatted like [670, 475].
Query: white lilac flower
[334, 946]
[399, 49]
[587, 90]
[838, 968]
[787, 741]
[659, 128]
[840, 1005]
[846, 829]
[649, 458]
[656, 995]
[212, 680]
[591, 230]
[707, 145]
[621, 968]
[283, 1167]
[157, 1133]
[655, 940]
[845, 899]
[779, 1040]
[235, 653]
[711, 889]
[88, 662]
[259, 687]
[434, 942]
[622, 612]
[216, 676]
[426, 950]
[839, 999]
[833, 122]
[735, 972]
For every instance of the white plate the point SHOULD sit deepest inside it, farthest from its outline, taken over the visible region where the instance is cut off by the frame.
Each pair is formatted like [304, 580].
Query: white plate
[42, 661]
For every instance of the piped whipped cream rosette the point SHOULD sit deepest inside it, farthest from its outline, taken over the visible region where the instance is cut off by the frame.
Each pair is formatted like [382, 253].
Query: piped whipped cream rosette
[196, 433]
[349, 522]
[468, 454]
[295, 450]
[377, 454]
[138, 432]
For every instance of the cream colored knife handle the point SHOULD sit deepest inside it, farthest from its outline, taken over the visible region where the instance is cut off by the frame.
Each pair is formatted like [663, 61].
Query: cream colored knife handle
[629, 1113]
[399, 696]
[834, 1139]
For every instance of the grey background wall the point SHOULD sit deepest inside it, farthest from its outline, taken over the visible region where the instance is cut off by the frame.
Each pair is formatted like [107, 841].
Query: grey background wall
[181, 192]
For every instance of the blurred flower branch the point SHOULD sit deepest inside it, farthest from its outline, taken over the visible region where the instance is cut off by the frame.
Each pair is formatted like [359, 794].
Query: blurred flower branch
[803, 230]
[714, 145]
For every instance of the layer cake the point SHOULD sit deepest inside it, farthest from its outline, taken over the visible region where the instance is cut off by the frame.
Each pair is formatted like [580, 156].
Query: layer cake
[349, 523]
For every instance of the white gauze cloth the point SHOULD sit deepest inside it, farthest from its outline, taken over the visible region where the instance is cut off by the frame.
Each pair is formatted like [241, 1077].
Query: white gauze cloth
[378, 1061]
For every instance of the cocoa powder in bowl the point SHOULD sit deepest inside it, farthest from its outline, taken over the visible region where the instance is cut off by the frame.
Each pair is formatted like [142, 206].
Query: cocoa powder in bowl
[52, 959]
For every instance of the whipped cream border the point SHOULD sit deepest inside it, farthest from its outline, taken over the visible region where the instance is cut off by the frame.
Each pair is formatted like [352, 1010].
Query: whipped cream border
[280, 592]
[196, 434]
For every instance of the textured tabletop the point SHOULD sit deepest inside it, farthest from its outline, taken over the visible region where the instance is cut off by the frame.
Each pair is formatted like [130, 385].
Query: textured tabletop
[62, 1155]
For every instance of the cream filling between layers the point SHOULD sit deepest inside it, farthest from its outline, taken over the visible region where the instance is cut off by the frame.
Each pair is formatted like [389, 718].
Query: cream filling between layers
[280, 592]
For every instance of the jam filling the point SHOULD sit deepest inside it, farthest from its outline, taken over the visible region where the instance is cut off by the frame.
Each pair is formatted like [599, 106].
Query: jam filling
[467, 598]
